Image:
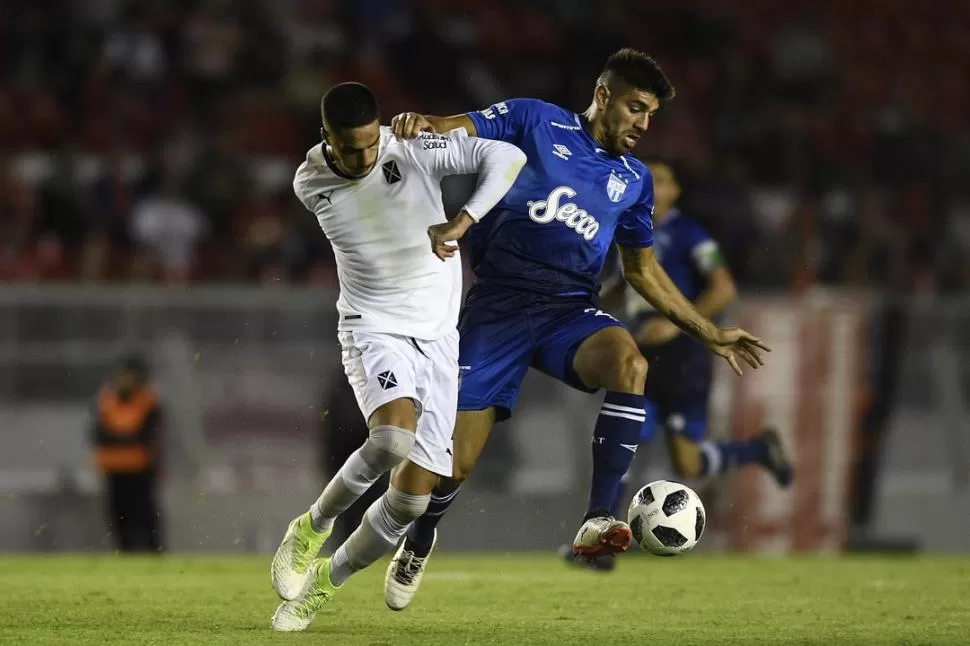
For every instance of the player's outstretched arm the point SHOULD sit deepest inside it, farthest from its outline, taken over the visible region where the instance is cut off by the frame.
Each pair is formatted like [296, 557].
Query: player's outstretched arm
[719, 293]
[409, 125]
[642, 271]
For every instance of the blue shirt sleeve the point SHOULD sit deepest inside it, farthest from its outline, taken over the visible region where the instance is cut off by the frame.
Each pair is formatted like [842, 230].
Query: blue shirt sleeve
[508, 121]
[635, 226]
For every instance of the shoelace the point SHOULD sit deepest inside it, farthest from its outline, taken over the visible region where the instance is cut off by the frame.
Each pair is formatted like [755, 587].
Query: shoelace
[408, 567]
[301, 555]
[309, 605]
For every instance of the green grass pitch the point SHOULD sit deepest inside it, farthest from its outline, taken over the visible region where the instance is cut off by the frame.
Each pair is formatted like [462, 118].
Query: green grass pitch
[496, 599]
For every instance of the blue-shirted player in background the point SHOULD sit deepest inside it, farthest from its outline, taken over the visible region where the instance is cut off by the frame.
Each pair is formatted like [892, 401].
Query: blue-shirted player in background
[681, 370]
[537, 259]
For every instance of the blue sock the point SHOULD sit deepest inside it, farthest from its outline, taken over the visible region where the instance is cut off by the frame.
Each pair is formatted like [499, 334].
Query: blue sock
[723, 457]
[420, 536]
[615, 440]
[620, 495]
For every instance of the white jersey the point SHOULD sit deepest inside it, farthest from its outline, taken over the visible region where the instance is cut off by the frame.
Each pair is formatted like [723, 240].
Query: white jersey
[390, 281]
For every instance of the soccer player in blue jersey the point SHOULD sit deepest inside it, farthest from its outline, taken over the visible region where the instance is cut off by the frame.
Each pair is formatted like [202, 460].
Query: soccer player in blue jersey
[537, 258]
[679, 381]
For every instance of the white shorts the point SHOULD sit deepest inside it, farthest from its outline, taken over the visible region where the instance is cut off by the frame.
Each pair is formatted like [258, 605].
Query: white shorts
[384, 367]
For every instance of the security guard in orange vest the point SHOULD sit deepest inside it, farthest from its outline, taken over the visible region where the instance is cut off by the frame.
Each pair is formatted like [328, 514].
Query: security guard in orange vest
[126, 428]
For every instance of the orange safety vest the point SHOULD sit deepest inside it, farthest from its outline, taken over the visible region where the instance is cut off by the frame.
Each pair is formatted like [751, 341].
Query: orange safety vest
[124, 422]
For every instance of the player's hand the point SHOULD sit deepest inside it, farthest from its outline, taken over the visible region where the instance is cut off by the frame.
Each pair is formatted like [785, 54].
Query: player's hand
[733, 342]
[409, 125]
[444, 235]
[656, 331]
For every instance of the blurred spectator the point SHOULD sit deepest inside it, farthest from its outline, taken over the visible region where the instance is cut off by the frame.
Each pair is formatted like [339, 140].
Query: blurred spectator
[813, 134]
[125, 433]
[168, 229]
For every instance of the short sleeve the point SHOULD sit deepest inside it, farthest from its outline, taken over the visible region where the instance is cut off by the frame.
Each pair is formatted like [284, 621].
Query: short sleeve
[704, 252]
[635, 226]
[508, 120]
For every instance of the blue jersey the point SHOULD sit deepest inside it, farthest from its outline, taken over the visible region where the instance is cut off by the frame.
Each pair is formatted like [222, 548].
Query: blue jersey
[552, 230]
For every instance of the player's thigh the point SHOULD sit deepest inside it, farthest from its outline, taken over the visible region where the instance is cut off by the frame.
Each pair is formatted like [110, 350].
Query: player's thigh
[496, 350]
[472, 429]
[448, 441]
[610, 359]
[437, 388]
[381, 371]
[588, 349]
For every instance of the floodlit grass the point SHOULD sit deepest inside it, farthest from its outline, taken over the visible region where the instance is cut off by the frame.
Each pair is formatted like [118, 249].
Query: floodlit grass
[496, 599]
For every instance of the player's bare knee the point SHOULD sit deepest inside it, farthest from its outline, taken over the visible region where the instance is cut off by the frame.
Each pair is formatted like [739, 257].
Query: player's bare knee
[630, 374]
[463, 467]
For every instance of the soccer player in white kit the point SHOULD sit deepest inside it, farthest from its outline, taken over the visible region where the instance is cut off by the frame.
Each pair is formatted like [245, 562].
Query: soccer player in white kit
[378, 200]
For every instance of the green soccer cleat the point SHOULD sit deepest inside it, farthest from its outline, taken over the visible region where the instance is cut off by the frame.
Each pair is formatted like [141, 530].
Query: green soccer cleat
[295, 554]
[296, 615]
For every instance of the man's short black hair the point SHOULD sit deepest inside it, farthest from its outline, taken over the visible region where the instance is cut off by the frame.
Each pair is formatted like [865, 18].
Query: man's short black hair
[639, 71]
[349, 105]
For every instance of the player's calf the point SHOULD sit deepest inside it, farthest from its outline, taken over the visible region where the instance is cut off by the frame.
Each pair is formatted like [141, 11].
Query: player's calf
[707, 458]
[610, 359]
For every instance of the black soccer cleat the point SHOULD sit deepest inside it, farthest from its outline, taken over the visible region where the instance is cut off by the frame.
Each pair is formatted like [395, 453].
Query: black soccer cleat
[777, 460]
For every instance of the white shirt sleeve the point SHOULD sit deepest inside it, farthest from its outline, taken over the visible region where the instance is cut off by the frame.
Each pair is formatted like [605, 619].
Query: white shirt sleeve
[455, 153]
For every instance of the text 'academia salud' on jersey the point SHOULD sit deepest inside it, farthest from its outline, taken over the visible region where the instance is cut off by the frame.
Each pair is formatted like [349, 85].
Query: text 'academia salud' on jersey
[552, 230]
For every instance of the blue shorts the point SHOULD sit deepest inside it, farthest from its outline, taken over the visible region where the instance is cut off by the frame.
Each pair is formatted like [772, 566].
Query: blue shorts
[689, 420]
[504, 332]
[677, 389]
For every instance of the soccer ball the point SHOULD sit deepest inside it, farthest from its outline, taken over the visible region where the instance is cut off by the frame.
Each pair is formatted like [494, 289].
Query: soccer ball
[667, 518]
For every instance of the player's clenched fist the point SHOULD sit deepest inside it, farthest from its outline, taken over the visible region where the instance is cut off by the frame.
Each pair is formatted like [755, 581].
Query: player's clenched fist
[409, 125]
[443, 236]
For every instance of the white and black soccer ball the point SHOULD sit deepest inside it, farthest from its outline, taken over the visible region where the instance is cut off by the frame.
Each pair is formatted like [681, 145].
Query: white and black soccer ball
[667, 518]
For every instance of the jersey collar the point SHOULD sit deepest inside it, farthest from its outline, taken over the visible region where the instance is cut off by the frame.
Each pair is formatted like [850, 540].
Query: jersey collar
[583, 124]
[332, 165]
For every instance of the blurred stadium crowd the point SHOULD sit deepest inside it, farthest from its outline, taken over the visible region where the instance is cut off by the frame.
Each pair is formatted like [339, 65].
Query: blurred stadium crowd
[155, 141]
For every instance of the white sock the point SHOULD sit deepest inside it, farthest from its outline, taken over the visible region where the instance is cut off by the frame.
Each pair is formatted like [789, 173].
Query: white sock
[385, 447]
[382, 527]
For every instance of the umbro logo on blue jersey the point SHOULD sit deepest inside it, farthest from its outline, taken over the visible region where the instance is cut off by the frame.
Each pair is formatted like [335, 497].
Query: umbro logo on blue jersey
[561, 152]
[387, 380]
